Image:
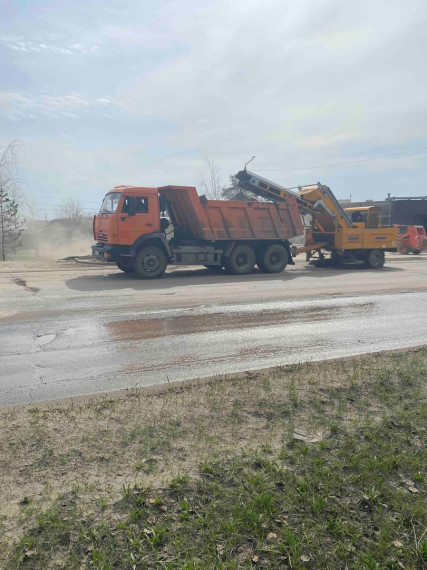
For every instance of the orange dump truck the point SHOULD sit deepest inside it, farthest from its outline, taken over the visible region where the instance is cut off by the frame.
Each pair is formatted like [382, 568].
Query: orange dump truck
[143, 230]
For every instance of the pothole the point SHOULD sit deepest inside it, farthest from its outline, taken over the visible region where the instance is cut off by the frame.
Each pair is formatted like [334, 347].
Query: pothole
[43, 339]
[22, 283]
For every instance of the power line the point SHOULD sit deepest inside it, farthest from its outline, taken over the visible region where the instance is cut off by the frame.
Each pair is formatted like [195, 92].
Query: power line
[344, 163]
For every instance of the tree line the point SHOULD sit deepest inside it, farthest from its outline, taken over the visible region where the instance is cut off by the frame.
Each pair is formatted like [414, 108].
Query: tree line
[11, 221]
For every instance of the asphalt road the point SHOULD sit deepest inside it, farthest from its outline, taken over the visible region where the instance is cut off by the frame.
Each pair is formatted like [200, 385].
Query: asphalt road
[68, 329]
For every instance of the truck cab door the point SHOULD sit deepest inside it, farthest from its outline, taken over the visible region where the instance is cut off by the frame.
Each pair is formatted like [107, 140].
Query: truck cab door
[139, 215]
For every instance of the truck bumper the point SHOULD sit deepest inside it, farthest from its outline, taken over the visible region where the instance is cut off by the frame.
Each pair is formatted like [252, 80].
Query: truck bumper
[105, 252]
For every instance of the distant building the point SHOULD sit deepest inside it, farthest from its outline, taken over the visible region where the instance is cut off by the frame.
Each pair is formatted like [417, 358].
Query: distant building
[411, 211]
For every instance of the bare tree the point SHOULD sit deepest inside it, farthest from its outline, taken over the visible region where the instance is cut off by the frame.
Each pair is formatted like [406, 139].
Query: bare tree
[11, 223]
[214, 189]
[211, 181]
[70, 209]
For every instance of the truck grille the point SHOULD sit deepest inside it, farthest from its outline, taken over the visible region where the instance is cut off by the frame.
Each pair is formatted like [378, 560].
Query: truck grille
[102, 237]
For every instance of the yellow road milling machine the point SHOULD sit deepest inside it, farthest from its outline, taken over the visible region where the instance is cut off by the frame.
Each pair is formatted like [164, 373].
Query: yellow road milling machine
[348, 236]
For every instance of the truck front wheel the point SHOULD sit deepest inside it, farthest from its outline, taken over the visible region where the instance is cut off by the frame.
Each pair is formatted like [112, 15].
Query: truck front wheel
[150, 262]
[273, 259]
[241, 260]
[127, 268]
[375, 259]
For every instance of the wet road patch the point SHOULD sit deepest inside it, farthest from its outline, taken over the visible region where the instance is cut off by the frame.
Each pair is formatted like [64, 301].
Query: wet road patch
[139, 329]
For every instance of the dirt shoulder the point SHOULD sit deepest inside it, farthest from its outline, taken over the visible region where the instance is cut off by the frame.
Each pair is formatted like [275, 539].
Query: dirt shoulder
[336, 448]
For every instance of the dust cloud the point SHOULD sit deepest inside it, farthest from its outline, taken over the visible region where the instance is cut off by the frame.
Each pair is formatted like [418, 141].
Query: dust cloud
[56, 239]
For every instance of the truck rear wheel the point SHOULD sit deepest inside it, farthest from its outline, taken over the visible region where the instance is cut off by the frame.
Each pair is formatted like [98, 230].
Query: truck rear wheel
[241, 260]
[150, 262]
[375, 259]
[273, 258]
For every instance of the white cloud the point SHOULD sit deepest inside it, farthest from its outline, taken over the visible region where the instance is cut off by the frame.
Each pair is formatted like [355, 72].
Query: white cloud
[301, 82]
[17, 106]
[137, 36]
[296, 83]
[88, 174]
[25, 44]
[398, 162]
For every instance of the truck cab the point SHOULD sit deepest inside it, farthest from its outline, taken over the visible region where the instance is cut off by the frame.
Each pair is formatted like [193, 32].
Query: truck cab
[368, 215]
[137, 210]
[128, 216]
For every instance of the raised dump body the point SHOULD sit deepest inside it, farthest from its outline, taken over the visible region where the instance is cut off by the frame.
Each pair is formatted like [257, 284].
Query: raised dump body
[228, 220]
[253, 220]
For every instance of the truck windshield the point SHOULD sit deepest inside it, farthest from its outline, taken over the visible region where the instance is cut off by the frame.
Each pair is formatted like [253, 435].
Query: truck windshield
[110, 203]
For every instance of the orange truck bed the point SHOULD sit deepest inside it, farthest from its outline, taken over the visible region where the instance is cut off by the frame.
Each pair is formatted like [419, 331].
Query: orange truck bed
[224, 220]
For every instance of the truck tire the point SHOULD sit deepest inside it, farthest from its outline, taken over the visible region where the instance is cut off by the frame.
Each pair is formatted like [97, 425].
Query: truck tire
[336, 258]
[273, 258]
[241, 260]
[125, 268]
[404, 250]
[150, 262]
[417, 251]
[375, 259]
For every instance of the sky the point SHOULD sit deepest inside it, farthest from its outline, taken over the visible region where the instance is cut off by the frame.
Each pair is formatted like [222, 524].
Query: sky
[102, 93]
